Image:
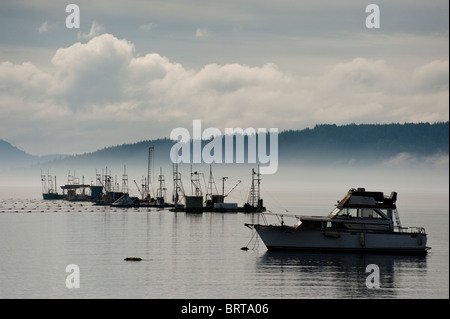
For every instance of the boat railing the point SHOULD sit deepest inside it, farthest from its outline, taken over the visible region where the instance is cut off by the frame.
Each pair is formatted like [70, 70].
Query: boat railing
[412, 230]
[417, 230]
[279, 217]
[280, 221]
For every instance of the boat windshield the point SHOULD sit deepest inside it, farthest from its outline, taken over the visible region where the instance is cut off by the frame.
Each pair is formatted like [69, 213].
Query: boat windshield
[358, 213]
[334, 212]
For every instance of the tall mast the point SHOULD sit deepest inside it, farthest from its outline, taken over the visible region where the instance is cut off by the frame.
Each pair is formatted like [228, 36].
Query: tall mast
[259, 187]
[44, 183]
[149, 170]
[196, 188]
[255, 190]
[177, 185]
[211, 185]
[124, 181]
[161, 191]
[49, 182]
[223, 185]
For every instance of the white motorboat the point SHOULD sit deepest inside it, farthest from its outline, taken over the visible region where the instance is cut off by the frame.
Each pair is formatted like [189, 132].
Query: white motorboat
[362, 221]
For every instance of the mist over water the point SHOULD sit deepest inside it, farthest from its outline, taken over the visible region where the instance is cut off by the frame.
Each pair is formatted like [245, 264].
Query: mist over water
[402, 171]
[293, 188]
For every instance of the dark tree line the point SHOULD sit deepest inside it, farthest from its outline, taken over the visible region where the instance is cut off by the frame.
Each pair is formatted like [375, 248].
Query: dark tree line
[419, 139]
[321, 143]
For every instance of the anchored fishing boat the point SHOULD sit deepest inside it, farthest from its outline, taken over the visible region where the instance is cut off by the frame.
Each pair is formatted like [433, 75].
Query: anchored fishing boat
[362, 221]
[126, 201]
[49, 190]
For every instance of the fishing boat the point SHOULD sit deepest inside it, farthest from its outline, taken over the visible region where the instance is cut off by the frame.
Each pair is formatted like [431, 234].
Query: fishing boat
[49, 191]
[126, 201]
[362, 221]
[215, 202]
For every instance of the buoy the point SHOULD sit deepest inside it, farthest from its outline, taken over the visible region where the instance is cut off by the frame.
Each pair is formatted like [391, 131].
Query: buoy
[133, 259]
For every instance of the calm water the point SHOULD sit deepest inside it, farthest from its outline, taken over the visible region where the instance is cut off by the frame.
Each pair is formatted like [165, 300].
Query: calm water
[195, 256]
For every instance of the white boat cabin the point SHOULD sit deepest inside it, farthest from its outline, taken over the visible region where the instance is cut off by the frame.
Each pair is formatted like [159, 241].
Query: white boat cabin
[358, 210]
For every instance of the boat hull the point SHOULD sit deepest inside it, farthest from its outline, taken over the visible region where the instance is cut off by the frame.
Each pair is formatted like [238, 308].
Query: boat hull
[52, 196]
[289, 238]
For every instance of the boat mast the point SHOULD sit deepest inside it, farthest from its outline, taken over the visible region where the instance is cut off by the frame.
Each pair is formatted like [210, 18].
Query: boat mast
[149, 170]
[223, 185]
[211, 184]
[107, 181]
[255, 190]
[177, 184]
[161, 191]
[50, 189]
[196, 188]
[44, 183]
[124, 181]
[259, 186]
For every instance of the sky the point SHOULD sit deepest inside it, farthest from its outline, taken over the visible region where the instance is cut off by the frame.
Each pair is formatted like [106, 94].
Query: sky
[136, 70]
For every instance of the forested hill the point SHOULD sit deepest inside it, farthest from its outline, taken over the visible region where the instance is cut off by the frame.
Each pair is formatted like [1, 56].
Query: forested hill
[325, 143]
[367, 140]
[11, 157]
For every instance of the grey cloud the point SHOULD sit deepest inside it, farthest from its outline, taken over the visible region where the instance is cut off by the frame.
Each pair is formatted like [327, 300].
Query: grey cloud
[432, 77]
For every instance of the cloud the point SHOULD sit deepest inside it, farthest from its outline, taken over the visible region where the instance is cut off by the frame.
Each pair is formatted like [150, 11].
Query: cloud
[433, 76]
[360, 74]
[146, 26]
[95, 30]
[45, 27]
[407, 160]
[102, 93]
[202, 33]
[91, 73]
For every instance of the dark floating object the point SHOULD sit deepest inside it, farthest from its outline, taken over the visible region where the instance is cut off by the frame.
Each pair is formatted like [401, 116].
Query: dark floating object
[244, 248]
[133, 259]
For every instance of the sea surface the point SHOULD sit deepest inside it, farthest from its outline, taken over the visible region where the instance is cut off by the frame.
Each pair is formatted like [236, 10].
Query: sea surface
[198, 256]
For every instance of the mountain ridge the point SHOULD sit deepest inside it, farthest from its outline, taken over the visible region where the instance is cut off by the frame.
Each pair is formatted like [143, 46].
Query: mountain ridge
[321, 144]
[12, 157]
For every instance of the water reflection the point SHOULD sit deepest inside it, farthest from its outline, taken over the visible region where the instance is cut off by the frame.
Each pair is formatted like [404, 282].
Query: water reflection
[344, 274]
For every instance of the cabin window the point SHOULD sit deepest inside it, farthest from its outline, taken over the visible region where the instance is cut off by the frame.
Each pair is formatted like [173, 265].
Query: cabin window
[352, 212]
[369, 213]
[348, 212]
[387, 212]
[359, 212]
[366, 213]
